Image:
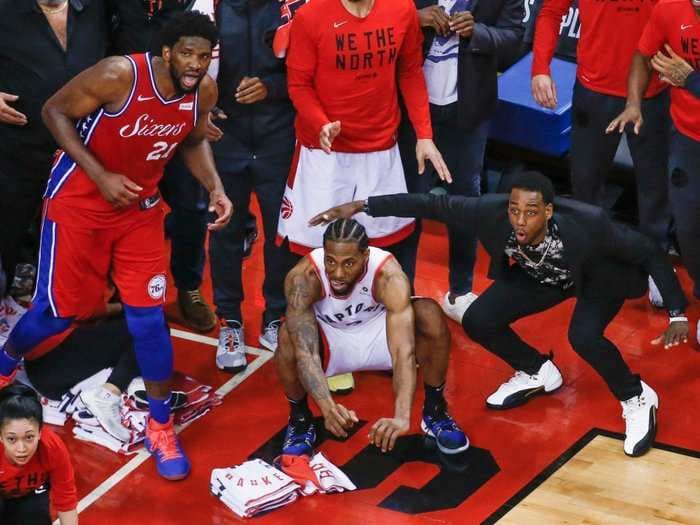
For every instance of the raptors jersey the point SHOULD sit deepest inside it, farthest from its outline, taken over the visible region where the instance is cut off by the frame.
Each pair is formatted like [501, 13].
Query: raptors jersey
[359, 307]
[137, 141]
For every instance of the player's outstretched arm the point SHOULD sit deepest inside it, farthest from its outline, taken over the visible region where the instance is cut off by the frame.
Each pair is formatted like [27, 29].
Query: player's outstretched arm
[302, 289]
[199, 159]
[106, 84]
[394, 291]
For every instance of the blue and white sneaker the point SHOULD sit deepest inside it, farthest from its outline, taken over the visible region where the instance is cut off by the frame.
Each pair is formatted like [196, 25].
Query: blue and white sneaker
[449, 438]
[161, 441]
[300, 437]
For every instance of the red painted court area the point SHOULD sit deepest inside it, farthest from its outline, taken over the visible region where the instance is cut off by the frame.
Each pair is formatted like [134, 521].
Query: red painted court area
[509, 449]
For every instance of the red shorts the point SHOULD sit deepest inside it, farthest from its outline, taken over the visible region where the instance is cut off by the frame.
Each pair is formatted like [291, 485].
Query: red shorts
[75, 264]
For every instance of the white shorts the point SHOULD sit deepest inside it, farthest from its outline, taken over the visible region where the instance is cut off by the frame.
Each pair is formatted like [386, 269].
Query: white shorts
[318, 181]
[365, 348]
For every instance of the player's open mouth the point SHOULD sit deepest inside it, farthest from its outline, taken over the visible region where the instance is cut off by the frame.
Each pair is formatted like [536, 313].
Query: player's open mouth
[520, 236]
[189, 81]
[338, 285]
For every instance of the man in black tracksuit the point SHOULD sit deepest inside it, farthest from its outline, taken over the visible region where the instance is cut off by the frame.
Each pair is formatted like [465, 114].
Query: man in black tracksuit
[540, 258]
[254, 154]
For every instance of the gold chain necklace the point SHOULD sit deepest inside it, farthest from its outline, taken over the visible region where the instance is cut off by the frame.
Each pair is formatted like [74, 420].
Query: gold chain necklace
[55, 10]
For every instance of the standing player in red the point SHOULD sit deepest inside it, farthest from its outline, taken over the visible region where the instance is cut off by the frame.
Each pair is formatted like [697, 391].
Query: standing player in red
[345, 60]
[609, 34]
[102, 207]
[674, 29]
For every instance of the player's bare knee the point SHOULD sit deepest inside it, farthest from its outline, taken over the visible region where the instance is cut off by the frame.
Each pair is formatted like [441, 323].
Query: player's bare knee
[429, 319]
[285, 348]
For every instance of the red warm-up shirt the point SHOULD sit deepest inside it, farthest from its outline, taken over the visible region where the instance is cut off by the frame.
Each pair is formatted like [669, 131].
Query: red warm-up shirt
[50, 464]
[341, 67]
[676, 23]
[610, 30]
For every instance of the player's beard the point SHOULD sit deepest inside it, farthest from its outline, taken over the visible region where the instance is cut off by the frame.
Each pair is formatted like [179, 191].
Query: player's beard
[177, 82]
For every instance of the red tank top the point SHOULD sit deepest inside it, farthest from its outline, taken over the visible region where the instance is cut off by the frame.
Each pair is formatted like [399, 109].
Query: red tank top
[137, 141]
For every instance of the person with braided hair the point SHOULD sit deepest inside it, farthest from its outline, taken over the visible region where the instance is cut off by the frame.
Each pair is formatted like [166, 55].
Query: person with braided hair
[349, 308]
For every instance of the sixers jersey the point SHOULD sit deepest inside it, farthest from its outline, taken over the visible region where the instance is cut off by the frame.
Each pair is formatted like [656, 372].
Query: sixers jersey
[359, 307]
[137, 141]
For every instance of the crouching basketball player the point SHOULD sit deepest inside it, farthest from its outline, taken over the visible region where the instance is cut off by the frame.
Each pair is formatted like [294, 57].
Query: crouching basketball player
[357, 300]
[102, 208]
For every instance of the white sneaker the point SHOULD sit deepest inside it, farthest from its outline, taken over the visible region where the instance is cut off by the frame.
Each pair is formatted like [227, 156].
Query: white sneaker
[105, 405]
[268, 338]
[456, 311]
[230, 353]
[655, 295]
[522, 387]
[639, 413]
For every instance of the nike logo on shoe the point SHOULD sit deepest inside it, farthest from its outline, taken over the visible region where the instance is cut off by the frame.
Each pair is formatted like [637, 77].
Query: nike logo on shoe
[336, 25]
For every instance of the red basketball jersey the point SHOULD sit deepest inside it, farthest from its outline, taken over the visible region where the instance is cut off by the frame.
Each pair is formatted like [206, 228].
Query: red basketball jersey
[137, 141]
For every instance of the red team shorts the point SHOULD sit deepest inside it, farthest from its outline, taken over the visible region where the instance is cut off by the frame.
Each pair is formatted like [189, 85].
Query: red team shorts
[75, 264]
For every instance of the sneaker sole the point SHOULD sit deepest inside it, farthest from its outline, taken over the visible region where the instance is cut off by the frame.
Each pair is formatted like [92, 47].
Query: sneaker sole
[174, 478]
[232, 369]
[645, 444]
[523, 400]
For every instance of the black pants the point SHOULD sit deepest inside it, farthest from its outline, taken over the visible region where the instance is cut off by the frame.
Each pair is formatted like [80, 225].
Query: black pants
[267, 176]
[32, 509]
[23, 176]
[90, 348]
[592, 154]
[685, 201]
[186, 224]
[488, 320]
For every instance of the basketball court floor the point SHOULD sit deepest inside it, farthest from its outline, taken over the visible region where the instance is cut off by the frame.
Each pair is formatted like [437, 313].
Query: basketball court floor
[558, 459]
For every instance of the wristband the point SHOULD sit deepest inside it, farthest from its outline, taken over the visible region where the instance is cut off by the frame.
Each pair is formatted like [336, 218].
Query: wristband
[678, 319]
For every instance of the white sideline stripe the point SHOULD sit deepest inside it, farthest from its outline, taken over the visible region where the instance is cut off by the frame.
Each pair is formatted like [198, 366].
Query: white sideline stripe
[262, 357]
[189, 336]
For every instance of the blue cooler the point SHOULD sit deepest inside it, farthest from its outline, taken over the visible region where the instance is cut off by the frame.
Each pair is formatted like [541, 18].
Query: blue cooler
[520, 121]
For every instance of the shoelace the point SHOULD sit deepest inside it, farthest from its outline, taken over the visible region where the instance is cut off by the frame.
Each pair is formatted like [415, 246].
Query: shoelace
[519, 375]
[631, 406]
[297, 432]
[195, 296]
[444, 422]
[273, 327]
[165, 443]
[232, 338]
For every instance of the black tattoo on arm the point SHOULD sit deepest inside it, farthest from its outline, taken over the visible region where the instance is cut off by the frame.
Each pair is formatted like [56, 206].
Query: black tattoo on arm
[301, 323]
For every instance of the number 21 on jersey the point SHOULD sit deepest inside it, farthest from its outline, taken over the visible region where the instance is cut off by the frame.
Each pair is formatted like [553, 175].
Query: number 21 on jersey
[161, 151]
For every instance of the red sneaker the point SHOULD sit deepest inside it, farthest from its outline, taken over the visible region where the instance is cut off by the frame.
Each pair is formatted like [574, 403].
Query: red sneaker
[162, 443]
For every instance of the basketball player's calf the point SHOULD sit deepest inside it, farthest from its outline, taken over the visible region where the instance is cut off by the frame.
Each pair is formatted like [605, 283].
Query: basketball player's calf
[433, 355]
